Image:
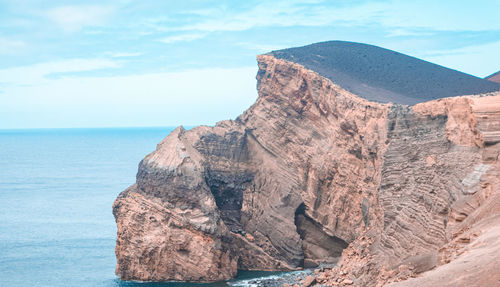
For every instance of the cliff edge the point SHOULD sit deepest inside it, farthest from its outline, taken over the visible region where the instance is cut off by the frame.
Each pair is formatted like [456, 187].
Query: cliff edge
[314, 173]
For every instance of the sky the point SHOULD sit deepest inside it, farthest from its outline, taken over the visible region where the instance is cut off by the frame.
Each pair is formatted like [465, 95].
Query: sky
[66, 64]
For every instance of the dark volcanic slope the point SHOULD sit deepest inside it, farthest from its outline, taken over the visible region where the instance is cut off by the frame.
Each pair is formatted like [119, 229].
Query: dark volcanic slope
[494, 77]
[382, 75]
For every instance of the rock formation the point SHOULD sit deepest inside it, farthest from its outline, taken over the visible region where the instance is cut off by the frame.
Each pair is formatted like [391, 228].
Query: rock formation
[313, 172]
[494, 77]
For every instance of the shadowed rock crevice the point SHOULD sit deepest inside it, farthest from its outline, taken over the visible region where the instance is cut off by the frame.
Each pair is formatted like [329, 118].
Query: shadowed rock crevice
[318, 246]
[227, 189]
[226, 173]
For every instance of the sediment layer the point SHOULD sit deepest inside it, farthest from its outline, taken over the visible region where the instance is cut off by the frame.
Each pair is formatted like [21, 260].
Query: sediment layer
[312, 174]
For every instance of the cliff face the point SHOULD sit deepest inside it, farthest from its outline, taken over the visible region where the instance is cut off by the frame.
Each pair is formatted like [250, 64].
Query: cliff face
[311, 172]
[440, 195]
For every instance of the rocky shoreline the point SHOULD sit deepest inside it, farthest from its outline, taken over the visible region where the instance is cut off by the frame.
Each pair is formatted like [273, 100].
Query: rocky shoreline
[313, 174]
[285, 279]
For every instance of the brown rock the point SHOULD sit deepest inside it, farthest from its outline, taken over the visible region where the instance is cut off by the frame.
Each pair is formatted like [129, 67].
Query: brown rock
[310, 280]
[253, 175]
[141, 256]
[347, 282]
[310, 173]
[249, 237]
[464, 239]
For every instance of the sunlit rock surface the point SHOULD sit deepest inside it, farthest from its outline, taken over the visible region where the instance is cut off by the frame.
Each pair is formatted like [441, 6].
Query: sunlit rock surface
[312, 173]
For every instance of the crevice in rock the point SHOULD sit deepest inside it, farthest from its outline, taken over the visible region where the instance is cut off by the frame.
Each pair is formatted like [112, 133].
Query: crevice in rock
[227, 189]
[318, 246]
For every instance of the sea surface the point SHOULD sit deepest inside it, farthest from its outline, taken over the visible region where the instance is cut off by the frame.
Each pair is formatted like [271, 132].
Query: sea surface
[56, 191]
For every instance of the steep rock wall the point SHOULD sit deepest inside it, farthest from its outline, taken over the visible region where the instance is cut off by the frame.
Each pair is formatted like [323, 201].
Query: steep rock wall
[439, 194]
[307, 170]
[305, 142]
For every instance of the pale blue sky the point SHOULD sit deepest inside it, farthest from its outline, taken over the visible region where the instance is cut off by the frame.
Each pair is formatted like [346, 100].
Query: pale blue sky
[166, 63]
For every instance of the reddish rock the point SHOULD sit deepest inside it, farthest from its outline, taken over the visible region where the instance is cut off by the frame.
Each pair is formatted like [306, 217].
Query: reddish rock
[347, 282]
[494, 77]
[310, 280]
[312, 173]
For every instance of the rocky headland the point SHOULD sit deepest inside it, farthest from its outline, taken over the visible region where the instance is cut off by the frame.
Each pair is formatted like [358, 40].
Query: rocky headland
[352, 154]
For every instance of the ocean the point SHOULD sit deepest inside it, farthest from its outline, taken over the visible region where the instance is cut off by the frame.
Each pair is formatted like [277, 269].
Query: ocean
[56, 191]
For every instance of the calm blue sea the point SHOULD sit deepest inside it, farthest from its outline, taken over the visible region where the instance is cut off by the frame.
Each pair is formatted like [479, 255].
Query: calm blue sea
[56, 191]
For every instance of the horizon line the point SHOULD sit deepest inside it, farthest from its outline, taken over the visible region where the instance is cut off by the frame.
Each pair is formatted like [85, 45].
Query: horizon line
[89, 128]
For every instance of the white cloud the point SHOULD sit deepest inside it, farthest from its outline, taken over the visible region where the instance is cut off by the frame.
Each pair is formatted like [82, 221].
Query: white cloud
[272, 13]
[10, 46]
[125, 54]
[479, 60]
[38, 73]
[261, 48]
[442, 15]
[403, 16]
[74, 18]
[193, 97]
[182, 38]
[285, 14]
[402, 32]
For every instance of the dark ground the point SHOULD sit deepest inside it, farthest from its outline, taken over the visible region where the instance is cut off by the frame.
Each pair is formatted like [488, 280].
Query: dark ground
[382, 75]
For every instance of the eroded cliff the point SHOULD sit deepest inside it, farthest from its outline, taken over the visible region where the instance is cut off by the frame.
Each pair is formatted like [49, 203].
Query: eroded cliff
[440, 197]
[311, 172]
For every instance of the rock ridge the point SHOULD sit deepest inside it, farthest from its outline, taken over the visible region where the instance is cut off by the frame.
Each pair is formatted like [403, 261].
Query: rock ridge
[382, 75]
[312, 174]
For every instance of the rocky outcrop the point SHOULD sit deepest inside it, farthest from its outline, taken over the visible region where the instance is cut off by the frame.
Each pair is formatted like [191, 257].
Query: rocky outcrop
[440, 172]
[250, 184]
[440, 196]
[309, 173]
[494, 77]
[154, 237]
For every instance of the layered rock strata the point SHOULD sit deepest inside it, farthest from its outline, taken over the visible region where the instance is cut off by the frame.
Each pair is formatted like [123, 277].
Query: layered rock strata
[440, 195]
[307, 171]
